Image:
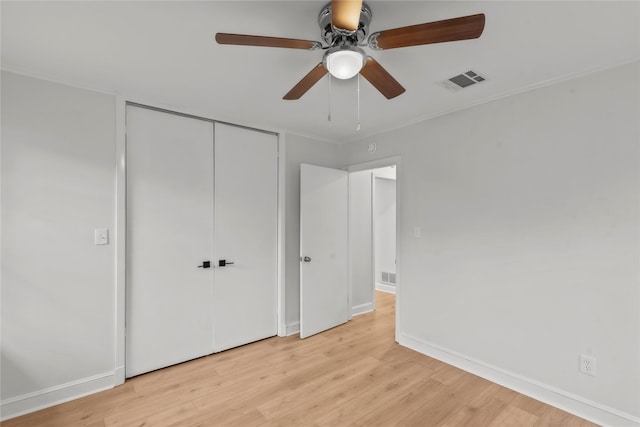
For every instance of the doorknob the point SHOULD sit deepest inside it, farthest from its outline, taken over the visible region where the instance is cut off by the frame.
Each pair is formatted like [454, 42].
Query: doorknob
[224, 262]
[205, 264]
[306, 259]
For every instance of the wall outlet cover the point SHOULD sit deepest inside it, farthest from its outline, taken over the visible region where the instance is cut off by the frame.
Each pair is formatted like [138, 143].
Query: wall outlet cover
[588, 365]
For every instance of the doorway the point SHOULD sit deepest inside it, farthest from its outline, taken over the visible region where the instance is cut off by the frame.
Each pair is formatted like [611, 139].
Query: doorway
[339, 215]
[373, 239]
[384, 228]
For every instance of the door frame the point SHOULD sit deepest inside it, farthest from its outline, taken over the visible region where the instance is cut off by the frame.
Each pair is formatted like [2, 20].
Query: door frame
[375, 164]
[119, 233]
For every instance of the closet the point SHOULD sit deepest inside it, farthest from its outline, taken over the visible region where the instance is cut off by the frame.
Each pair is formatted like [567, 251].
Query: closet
[201, 237]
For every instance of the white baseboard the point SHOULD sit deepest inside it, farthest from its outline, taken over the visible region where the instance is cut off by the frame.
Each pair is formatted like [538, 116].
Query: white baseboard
[584, 408]
[362, 308]
[390, 289]
[31, 402]
[293, 328]
[119, 375]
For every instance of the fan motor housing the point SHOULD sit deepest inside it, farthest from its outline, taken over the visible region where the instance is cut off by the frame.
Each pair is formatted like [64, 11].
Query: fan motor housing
[337, 36]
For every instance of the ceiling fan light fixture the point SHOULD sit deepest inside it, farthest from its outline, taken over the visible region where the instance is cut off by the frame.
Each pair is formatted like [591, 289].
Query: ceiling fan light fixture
[344, 63]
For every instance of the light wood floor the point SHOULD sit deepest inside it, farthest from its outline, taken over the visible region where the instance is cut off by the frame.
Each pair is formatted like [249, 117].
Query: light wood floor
[351, 375]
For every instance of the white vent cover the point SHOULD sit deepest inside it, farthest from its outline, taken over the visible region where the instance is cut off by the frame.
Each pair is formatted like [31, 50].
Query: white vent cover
[388, 277]
[462, 81]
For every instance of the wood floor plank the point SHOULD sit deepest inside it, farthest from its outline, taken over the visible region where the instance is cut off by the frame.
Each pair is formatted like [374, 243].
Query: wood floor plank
[166, 416]
[318, 405]
[453, 398]
[530, 405]
[448, 374]
[243, 407]
[483, 408]
[238, 393]
[392, 388]
[386, 413]
[513, 416]
[249, 419]
[472, 415]
[330, 382]
[354, 374]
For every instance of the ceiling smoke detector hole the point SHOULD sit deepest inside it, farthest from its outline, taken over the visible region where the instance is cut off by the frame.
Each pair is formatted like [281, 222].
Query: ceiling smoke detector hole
[462, 81]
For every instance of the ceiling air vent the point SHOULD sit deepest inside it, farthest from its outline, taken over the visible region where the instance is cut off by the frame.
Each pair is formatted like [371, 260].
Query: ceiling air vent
[462, 81]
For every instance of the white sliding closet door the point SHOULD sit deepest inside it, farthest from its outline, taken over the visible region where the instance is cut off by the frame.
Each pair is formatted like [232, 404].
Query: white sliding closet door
[170, 219]
[246, 201]
[201, 238]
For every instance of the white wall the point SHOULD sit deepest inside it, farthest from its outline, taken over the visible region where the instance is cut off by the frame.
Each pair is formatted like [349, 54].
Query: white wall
[384, 218]
[529, 256]
[360, 242]
[58, 184]
[299, 150]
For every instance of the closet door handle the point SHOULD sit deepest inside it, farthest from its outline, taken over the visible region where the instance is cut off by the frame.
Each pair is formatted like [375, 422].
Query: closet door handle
[205, 264]
[224, 262]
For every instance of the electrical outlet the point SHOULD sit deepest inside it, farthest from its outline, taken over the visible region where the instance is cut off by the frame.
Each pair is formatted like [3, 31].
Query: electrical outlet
[588, 365]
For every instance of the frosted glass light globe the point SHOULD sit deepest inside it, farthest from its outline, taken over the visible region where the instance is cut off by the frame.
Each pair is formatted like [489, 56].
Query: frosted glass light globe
[344, 64]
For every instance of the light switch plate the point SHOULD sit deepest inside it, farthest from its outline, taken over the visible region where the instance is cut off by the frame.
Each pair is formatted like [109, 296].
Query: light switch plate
[101, 236]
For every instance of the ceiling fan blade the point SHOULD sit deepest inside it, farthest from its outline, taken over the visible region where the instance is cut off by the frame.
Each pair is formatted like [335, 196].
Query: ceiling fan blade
[306, 83]
[345, 14]
[381, 79]
[248, 40]
[448, 30]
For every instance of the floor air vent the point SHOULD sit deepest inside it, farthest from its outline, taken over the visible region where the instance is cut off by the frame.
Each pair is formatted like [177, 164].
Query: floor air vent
[388, 277]
[462, 81]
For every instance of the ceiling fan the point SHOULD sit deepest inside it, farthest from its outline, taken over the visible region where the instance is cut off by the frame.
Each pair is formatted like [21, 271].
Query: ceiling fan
[344, 27]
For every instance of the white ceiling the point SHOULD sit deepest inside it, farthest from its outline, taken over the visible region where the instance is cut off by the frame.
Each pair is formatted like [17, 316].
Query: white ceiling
[164, 52]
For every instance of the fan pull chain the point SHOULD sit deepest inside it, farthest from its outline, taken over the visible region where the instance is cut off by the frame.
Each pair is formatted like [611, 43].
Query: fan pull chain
[329, 117]
[358, 126]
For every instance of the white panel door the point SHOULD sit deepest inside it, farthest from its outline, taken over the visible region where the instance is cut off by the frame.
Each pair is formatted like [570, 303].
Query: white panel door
[245, 300]
[324, 292]
[169, 234]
